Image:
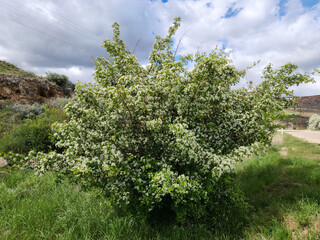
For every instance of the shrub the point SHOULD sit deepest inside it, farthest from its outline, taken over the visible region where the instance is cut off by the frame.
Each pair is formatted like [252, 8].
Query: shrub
[10, 65]
[164, 139]
[3, 104]
[13, 158]
[57, 102]
[62, 81]
[27, 111]
[34, 134]
[25, 73]
[314, 122]
[59, 79]
[8, 118]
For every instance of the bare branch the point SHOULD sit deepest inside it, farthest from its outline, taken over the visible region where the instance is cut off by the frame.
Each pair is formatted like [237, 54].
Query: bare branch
[134, 49]
[175, 53]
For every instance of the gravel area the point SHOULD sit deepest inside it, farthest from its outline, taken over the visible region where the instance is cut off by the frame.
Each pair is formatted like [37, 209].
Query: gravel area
[307, 135]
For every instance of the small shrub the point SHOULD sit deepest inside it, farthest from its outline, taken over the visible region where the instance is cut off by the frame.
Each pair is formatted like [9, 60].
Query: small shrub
[2, 105]
[34, 134]
[25, 73]
[28, 111]
[8, 118]
[5, 103]
[26, 137]
[57, 102]
[59, 79]
[62, 81]
[11, 65]
[13, 158]
[314, 122]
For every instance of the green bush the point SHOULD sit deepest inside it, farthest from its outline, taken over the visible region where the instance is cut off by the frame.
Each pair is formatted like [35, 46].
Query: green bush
[25, 73]
[8, 118]
[13, 159]
[162, 140]
[62, 81]
[33, 134]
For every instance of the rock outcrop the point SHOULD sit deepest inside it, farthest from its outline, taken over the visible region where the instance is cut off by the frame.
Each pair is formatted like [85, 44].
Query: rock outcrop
[310, 102]
[25, 90]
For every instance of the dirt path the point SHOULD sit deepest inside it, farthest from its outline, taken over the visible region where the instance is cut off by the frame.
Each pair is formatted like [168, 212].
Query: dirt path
[309, 136]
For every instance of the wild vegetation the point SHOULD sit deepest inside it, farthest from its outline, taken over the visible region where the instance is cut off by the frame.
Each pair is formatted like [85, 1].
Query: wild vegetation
[7, 119]
[161, 142]
[62, 81]
[157, 152]
[24, 128]
[298, 118]
[283, 192]
[10, 68]
[58, 79]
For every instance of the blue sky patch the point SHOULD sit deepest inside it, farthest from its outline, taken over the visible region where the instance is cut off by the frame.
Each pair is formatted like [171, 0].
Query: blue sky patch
[164, 1]
[305, 3]
[232, 11]
[224, 43]
[309, 3]
[282, 7]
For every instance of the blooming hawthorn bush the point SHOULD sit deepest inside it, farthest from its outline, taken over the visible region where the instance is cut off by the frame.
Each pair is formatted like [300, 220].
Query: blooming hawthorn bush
[165, 137]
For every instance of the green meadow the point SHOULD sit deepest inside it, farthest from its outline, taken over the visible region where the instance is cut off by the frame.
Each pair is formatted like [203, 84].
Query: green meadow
[283, 191]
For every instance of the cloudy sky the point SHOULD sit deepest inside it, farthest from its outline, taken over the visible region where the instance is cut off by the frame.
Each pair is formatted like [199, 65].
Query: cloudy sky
[65, 36]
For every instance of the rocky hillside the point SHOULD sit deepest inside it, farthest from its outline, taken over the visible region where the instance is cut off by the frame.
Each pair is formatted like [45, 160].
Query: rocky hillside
[27, 90]
[25, 87]
[310, 102]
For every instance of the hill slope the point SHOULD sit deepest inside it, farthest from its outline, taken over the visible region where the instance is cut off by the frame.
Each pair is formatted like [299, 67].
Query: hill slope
[310, 102]
[25, 87]
[9, 68]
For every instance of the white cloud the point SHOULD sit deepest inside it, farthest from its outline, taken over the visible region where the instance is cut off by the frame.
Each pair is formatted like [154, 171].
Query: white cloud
[74, 73]
[64, 35]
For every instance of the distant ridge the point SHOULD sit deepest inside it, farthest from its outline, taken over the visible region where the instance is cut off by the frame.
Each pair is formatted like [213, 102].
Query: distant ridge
[309, 102]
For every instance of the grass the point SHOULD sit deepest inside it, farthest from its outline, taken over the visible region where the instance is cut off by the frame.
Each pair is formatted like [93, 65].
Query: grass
[34, 207]
[302, 111]
[7, 120]
[28, 134]
[283, 191]
[9, 68]
[41, 208]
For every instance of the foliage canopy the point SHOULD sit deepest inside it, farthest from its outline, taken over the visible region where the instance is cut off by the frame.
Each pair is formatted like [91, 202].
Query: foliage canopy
[62, 81]
[164, 136]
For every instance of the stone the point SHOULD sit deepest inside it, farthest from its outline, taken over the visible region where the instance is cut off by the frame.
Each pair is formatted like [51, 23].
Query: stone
[3, 163]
